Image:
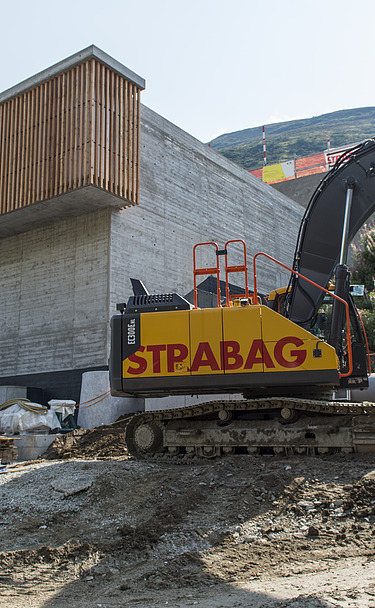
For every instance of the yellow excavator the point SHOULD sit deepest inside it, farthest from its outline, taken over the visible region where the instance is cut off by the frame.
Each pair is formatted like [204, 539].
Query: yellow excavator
[277, 363]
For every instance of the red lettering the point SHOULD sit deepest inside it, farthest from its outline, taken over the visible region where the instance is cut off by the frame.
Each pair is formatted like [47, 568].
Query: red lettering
[156, 349]
[176, 353]
[258, 346]
[230, 356]
[230, 350]
[204, 357]
[299, 355]
[140, 361]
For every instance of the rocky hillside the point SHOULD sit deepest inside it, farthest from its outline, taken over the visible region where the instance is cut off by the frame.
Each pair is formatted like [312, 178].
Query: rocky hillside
[303, 137]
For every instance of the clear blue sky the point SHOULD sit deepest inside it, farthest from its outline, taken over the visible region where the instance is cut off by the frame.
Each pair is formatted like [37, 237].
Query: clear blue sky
[211, 66]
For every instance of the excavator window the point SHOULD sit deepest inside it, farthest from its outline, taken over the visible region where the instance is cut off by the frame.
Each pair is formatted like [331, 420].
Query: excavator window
[321, 324]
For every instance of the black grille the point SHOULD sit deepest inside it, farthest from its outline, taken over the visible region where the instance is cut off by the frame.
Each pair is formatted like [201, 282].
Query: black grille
[156, 302]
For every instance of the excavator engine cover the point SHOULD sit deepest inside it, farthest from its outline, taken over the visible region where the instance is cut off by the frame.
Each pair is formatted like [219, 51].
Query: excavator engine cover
[216, 350]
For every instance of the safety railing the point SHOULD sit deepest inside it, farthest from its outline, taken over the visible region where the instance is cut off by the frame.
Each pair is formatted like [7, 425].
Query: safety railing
[206, 270]
[366, 340]
[229, 268]
[235, 268]
[298, 274]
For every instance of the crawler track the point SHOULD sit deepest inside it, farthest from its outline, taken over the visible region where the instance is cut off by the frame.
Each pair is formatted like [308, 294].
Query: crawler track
[280, 425]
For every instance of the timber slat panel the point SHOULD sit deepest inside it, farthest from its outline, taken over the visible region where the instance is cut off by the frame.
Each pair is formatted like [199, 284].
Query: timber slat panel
[110, 128]
[138, 144]
[130, 141]
[126, 140]
[92, 156]
[43, 134]
[18, 150]
[78, 128]
[3, 164]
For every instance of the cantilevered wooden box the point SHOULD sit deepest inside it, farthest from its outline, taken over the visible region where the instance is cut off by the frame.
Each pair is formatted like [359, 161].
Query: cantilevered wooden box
[69, 141]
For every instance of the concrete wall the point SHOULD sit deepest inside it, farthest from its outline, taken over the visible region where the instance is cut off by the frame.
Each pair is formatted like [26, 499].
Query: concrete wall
[190, 194]
[93, 412]
[53, 300]
[300, 190]
[60, 283]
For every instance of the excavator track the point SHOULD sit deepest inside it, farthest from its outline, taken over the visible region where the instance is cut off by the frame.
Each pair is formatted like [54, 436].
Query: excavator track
[278, 425]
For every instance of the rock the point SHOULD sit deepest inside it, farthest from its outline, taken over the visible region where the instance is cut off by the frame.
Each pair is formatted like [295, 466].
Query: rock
[337, 503]
[69, 488]
[312, 531]
[249, 539]
[306, 505]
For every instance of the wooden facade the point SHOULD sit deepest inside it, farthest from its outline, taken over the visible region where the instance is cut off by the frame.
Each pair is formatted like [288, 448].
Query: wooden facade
[79, 128]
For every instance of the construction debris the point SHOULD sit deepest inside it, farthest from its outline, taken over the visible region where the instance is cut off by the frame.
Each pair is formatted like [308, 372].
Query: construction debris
[22, 415]
[8, 450]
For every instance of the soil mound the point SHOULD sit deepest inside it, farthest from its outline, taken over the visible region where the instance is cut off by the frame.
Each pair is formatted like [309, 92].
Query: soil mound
[103, 442]
[363, 495]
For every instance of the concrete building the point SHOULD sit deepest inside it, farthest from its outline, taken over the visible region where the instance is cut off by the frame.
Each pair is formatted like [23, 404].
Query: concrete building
[95, 189]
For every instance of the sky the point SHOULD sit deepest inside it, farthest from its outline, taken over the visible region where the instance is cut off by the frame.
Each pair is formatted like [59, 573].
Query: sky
[211, 66]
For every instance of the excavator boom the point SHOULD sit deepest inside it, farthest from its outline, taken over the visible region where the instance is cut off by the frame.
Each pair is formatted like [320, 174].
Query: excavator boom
[320, 238]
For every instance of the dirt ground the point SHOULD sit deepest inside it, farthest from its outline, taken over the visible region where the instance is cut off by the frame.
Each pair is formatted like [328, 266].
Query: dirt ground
[87, 526]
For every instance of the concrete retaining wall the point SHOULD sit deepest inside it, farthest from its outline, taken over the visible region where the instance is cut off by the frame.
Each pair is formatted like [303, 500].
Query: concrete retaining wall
[31, 446]
[61, 283]
[300, 190]
[190, 194]
[106, 410]
[53, 301]
[12, 392]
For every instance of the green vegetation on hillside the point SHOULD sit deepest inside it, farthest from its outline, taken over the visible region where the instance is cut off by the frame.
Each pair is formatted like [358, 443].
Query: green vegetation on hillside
[300, 137]
[363, 273]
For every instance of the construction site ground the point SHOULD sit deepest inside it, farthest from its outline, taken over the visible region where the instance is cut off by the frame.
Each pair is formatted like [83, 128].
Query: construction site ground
[86, 526]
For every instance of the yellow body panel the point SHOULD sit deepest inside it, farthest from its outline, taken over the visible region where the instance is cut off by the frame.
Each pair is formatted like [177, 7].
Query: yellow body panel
[164, 349]
[218, 341]
[206, 335]
[242, 346]
[291, 347]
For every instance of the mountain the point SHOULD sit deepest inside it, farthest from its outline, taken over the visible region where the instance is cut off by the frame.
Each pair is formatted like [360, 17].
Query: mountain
[303, 137]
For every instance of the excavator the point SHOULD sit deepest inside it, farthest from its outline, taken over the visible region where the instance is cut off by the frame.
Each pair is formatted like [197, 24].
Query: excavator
[283, 367]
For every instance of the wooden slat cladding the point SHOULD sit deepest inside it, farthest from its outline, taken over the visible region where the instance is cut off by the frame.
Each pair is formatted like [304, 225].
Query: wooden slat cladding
[80, 128]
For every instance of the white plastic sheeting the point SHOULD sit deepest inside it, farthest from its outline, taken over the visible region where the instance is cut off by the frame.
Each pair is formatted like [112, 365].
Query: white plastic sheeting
[17, 419]
[63, 407]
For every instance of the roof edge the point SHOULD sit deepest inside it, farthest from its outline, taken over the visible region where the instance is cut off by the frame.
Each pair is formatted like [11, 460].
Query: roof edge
[91, 52]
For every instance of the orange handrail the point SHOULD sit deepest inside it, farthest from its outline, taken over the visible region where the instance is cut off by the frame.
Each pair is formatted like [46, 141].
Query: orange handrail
[366, 340]
[348, 337]
[206, 270]
[235, 268]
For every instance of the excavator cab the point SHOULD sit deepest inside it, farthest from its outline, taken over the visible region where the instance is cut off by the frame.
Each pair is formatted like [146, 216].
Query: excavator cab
[277, 299]
[320, 326]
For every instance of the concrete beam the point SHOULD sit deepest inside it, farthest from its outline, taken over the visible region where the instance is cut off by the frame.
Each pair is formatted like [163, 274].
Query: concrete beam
[44, 213]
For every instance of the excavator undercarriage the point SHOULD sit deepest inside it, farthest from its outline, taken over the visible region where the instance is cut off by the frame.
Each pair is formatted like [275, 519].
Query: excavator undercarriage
[275, 425]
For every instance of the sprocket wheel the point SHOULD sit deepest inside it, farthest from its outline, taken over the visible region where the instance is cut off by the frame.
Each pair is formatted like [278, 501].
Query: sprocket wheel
[143, 439]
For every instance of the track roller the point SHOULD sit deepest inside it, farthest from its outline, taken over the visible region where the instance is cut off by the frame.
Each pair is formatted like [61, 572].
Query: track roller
[208, 451]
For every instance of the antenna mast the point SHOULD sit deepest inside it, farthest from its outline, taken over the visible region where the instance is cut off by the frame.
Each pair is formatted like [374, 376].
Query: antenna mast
[264, 148]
